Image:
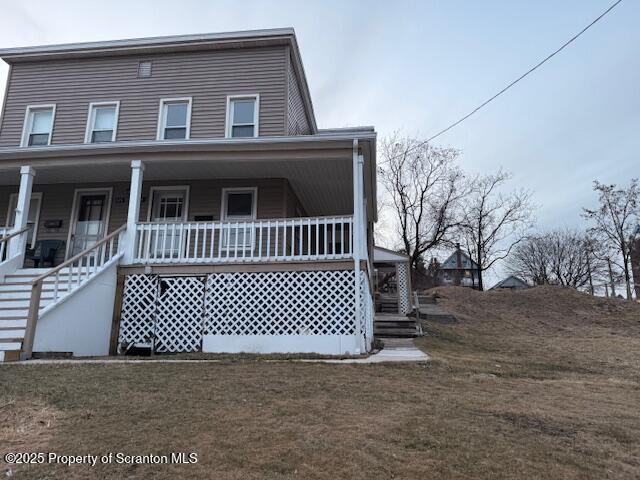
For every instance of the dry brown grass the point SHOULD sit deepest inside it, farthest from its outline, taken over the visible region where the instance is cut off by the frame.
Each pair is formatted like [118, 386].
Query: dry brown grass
[539, 384]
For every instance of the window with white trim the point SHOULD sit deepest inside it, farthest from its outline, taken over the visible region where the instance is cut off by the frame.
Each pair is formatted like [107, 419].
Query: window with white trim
[102, 122]
[38, 125]
[242, 116]
[174, 122]
[239, 205]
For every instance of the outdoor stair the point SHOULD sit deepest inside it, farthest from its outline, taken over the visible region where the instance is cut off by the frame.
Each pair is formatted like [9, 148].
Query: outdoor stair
[394, 325]
[387, 304]
[15, 295]
[432, 312]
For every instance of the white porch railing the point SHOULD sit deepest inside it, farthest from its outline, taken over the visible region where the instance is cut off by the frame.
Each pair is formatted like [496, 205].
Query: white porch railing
[287, 239]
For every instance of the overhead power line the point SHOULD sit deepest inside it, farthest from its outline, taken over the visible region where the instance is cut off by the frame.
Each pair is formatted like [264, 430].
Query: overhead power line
[531, 70]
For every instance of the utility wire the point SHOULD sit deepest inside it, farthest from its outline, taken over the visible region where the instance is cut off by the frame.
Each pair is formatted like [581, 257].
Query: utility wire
[531, 70]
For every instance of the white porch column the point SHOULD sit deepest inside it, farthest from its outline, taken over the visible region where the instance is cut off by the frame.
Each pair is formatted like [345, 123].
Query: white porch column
[17, 245]
[133, 214]
[357, 241]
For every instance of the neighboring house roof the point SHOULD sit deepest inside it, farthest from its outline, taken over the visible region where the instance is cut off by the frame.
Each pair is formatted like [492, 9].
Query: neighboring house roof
[451, 263]
[173, 43]
[384, 255]
[510, 282]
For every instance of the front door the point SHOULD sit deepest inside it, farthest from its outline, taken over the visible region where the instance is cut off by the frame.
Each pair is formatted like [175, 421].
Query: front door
[89, 222]
[169, 206]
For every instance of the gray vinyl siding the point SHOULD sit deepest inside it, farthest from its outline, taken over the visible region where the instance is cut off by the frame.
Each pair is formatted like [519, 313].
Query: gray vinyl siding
[206, 76]
[297, 122]
[275, 200]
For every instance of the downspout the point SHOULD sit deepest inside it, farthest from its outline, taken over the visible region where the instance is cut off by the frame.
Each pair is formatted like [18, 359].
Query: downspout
[356, 231]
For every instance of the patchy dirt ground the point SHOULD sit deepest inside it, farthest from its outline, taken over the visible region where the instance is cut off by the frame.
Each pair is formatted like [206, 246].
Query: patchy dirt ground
[537, 384]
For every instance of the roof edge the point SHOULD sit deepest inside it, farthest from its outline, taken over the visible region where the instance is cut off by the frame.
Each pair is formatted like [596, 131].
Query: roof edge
[128, 43]
[130, 146]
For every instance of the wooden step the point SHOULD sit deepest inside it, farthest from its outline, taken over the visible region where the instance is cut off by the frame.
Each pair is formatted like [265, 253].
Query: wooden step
[7, 346]
[396, 333]
[9, 355]
[13, 323]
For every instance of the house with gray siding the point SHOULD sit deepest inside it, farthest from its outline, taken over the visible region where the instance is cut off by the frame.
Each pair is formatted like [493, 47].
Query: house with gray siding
[175, 194]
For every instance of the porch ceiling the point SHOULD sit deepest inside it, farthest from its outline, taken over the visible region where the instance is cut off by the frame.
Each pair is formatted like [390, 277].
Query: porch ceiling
[324, 186]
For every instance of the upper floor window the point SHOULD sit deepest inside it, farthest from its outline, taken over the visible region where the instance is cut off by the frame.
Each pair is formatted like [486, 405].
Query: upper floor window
[174, 122]
[38, 125]
[242, 116]
[102, 122]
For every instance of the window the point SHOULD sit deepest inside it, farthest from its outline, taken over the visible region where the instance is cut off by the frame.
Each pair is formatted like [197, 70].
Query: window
[168, 204]
[38, 125]
[242, 116]
[239, 204]
[102, 122]
[174, 121]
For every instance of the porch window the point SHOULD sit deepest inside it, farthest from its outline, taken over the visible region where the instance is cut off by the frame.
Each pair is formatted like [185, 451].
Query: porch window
[102, 122]
[239, 205]
[242, 116]
[174, 122]
[38, 125]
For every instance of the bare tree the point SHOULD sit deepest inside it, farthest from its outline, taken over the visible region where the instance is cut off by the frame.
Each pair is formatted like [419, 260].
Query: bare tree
[425, 187]
[559, 257]
[531, 260]
[614, 222]
[494, 222]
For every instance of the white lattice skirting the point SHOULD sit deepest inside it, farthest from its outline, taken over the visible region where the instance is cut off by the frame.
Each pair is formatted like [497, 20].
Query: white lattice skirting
[262, 312]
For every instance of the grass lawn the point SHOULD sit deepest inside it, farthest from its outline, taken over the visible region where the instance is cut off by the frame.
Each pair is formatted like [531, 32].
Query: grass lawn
[537, 384]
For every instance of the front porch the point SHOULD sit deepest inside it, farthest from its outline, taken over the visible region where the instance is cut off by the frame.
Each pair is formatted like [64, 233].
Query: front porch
[208, 254]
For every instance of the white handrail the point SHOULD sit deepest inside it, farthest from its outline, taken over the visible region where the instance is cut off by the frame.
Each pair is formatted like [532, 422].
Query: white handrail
[268, 240]
[8, 235]
[69, 276]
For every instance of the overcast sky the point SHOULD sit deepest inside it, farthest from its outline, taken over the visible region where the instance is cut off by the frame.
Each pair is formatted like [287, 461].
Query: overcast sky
[418, 66]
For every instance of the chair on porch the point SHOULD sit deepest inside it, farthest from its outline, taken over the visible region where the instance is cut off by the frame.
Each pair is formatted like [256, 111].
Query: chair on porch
[44, 251]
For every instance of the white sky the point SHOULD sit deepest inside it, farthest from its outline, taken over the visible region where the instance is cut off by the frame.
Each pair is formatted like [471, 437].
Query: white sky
[418, 66]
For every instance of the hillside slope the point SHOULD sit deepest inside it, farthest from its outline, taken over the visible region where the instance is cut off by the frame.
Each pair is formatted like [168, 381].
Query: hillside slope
[549, 327]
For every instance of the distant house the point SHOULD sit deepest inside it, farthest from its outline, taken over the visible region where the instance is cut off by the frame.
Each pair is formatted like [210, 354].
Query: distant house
[512, 283]
[458, 270]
